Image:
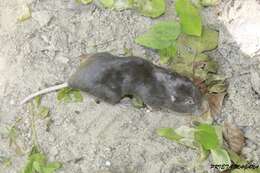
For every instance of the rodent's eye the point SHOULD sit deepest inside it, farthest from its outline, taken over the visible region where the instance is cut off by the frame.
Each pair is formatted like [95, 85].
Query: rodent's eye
[189, 101]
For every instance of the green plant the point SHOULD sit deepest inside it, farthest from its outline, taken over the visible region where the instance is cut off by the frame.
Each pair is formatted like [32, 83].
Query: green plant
[69, 95]
[37, 161]
[204, 138]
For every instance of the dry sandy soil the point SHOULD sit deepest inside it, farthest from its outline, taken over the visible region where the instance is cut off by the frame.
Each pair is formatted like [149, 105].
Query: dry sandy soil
[88, 137]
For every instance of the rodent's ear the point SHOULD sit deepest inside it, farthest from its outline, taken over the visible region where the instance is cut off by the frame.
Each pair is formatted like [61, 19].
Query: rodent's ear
[173, 98]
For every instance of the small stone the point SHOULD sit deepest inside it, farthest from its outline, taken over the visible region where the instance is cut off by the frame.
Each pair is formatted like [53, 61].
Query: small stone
[108, 163]
[12, 102]
[148, 110]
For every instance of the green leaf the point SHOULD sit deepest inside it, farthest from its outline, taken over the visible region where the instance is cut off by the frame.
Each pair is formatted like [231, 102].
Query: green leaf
[239, 160]
[107, 3]
[26, 13]
[169, 133]
[161, 35]
[207, 41]
[37, 166]
[188, 136]
[43, 112]
[37, 163]
[37, 157]
[167, 54]
[150, 8]
[190, 18]
[220, 157]
[69, 95]
[137, 102]
[205, 134]
[209, 2]
[203, 154]
[84, 1]
[218, 130]
[123, 4]
[52, 167]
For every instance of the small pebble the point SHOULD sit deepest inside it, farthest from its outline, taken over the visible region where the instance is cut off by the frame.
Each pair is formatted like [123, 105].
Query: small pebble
[108, 163]
[12, 102]
[148, 110]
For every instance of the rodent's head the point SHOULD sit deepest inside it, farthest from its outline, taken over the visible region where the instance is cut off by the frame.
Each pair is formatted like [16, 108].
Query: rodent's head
[184, 96]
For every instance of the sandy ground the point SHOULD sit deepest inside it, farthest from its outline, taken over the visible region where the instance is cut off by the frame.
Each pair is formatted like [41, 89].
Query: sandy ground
[90, 137]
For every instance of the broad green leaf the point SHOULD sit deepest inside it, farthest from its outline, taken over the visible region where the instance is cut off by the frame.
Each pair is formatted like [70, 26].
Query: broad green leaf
[188, 136]
[150, 8]
[209, 2]
[69, 95]
[169, 133]
[205, 134]
[84, 1]
[123, 4]
[190, 18]
[37, 163]
[107, 3]
[167, 54]
[38, 166]
[152, 41]
[26, 13]
[51, 167]
[203, 154]
[137, 102]
[239, 160]
[207, 41]
[161, 35]
[185, 132]
[218, 130]
[37, 157]
[220, 157]
[167, 30]
[76, 96]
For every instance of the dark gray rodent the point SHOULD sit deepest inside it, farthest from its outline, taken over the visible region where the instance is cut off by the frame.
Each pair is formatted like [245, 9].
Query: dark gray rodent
[110, 78]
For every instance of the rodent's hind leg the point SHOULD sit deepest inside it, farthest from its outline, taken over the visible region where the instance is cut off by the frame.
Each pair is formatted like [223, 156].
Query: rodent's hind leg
[107, 94]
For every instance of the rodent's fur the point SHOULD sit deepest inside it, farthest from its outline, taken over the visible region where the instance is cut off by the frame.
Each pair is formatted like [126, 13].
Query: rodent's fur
[110, 78]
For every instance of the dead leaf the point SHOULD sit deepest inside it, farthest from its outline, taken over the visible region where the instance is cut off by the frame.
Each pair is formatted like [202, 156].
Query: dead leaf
[215, 103]
[234, 137]
[201, 85]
